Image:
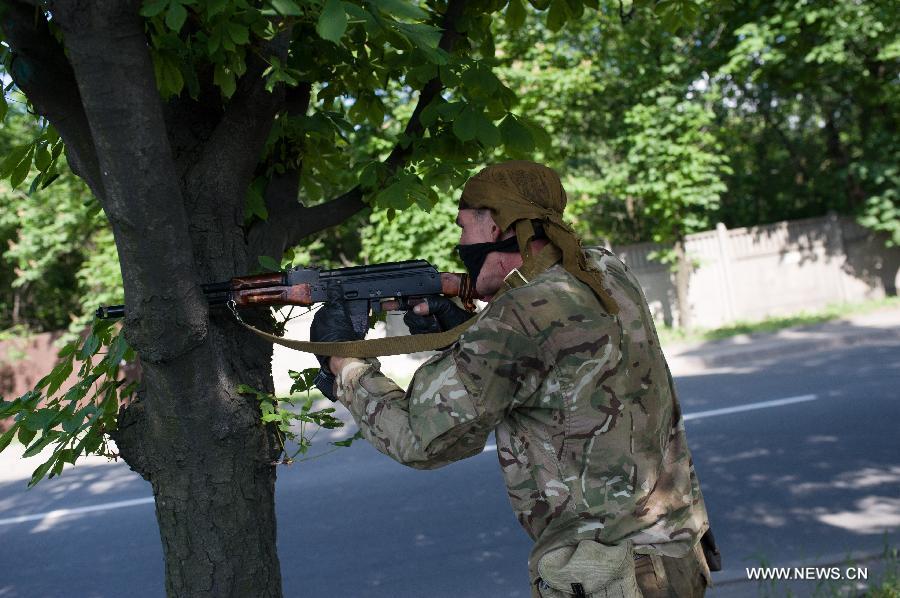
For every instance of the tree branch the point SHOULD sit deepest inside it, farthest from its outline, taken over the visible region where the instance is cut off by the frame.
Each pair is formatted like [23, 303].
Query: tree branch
[282, 190]
[298, 221]
[43, 73]
[228, 158]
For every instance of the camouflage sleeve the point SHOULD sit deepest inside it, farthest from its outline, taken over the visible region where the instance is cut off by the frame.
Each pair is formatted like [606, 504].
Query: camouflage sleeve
[454, 400]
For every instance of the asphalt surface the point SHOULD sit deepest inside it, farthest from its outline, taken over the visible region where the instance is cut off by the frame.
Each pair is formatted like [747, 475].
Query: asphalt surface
[809, 475]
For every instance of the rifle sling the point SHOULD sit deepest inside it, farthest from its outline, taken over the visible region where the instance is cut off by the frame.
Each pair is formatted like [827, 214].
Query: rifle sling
[397, 345]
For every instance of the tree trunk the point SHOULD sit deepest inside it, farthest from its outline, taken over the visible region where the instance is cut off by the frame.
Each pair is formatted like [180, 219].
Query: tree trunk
[210, 462]
[683, 269]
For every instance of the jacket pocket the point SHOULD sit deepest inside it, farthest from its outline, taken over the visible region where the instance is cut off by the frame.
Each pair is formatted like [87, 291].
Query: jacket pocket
[588, 570]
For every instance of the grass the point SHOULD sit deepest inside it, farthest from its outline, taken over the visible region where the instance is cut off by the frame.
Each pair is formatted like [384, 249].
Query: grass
[835, 311]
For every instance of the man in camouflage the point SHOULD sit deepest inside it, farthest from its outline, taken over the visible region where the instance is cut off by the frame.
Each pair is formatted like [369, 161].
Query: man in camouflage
[564, 366]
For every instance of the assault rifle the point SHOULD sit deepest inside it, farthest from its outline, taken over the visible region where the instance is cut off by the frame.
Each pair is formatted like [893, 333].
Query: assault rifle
[395, 285]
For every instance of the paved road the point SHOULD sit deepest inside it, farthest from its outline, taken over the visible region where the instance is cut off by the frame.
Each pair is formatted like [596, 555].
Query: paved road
[812, 479]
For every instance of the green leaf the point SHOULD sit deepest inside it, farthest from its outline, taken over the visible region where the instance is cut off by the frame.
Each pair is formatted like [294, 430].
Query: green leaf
[51, 135]
[58, 376]
[92, 441]
[303, 382]
[169, 78]
[90, 347]
[465, 126]
[42, 158]
[39, 420]
[41, 471]
[7, 437]
[332, 22]
[71, 425]
[38, 446]
[576, 8]
[448, 76]
[486, 132]
[269, 263]
[369, 176]
[151, 8]
[35, 183]
[375, 111]
[214, 7]
[68, 349]
[558, 15]
[515, 14]
[67, 456]
[515, 136]
[175, 16]
[431, 112]
[25, 435]
[255, 203]
[13, 159]
[480, 78]
[401, 8]
[4, 107]
[47, 180]
[224, 78]
[22, 169]
[349, 441]
[287, 8]
[541, 138]
[239, 34]
[57, 467]
[394, 196]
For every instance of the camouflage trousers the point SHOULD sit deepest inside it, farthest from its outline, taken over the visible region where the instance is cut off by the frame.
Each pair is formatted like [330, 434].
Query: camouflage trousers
[669, 577]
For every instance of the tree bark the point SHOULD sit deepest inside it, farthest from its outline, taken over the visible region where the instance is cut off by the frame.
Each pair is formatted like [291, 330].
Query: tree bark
[682, 286]
[210, 462]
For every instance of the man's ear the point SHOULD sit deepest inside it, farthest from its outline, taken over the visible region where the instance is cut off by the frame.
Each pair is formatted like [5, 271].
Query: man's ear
[496, 233]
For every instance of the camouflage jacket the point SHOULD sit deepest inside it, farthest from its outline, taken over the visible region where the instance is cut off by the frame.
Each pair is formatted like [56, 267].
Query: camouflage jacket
[588, 426]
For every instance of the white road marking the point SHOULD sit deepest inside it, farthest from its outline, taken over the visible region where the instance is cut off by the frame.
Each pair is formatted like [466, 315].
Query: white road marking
[750, 407]
[76, 511]
[487, 449]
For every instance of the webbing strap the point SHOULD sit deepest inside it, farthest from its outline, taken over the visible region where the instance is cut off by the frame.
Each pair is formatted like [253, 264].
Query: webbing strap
[548, 256]
[375, 347]
[398, 345]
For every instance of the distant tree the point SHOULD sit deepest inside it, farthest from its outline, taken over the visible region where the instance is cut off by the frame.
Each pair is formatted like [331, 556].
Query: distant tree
[674, 170]
[804, 98]
[810, 109]
[55, 247]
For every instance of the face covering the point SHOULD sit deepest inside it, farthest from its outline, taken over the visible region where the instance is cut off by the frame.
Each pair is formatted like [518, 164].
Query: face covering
[473, 255]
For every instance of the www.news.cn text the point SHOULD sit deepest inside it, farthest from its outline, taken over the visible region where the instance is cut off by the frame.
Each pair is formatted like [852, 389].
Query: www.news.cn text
[808, 573]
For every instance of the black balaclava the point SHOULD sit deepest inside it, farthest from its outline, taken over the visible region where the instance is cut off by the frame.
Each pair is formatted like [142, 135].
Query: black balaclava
[473, 255]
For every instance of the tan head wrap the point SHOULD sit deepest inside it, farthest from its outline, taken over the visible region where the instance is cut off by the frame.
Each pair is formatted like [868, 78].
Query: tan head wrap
[518, 192]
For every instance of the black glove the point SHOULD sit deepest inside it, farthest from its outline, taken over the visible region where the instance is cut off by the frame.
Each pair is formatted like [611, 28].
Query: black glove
[443, 315]
[331, 324]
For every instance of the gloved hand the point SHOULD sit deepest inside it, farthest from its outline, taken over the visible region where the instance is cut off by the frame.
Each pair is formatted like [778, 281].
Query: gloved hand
[443, 315]
[330, 324]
